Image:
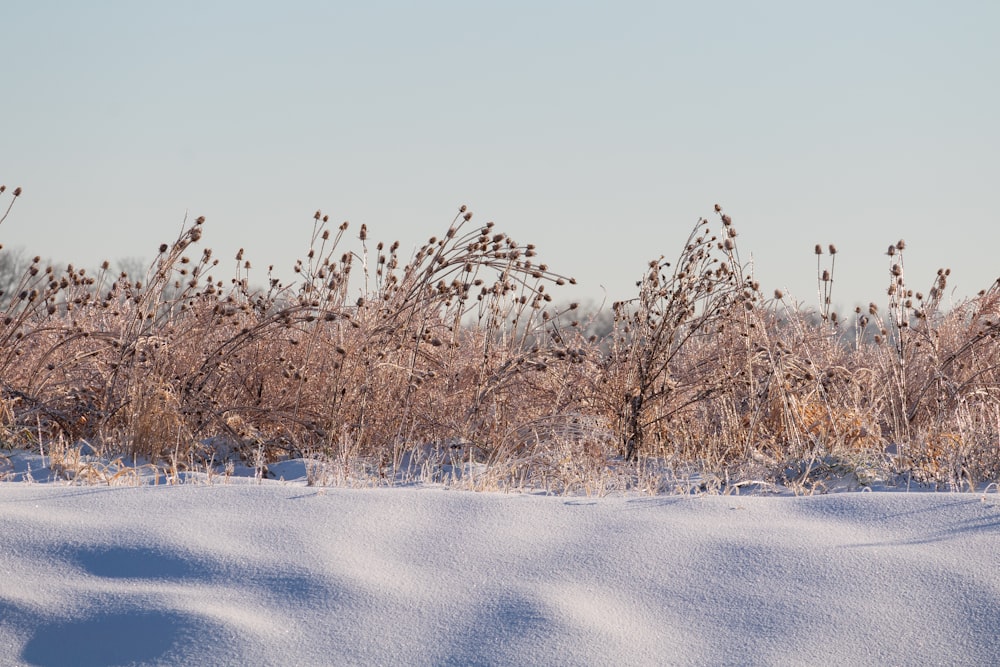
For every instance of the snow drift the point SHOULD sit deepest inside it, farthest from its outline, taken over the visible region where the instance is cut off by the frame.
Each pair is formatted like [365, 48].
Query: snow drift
[283, 574]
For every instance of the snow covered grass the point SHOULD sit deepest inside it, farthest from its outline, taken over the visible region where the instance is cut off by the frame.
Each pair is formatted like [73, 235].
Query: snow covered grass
[456, 365]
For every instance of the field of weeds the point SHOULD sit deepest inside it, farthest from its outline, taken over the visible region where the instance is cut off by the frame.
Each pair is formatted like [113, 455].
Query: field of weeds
[461, 362]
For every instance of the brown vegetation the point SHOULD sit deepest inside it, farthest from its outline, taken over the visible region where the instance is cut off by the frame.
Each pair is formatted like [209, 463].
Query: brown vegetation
[457, 359]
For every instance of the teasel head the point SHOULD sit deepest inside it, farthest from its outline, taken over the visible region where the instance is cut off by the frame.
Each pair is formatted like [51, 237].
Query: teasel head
[818, 249]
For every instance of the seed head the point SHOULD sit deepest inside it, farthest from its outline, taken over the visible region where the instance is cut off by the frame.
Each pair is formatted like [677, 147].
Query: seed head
[833, 249]
[818, 249]
[17, 191]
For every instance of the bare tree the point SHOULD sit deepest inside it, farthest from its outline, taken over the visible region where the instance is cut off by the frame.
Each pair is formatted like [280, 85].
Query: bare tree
[14, 262]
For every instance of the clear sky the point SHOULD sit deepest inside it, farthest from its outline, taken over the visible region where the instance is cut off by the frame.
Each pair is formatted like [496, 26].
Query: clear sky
[598, 131]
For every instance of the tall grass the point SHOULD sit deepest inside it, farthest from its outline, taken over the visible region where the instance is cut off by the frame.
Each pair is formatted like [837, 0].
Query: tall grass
[457, 363]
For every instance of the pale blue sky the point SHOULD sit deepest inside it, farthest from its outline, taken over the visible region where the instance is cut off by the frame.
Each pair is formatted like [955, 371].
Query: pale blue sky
[598, 131]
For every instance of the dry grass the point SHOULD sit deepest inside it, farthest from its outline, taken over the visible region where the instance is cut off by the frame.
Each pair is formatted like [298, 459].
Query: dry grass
[455, 365]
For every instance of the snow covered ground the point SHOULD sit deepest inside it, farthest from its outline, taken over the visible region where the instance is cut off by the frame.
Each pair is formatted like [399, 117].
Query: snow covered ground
[281, 573]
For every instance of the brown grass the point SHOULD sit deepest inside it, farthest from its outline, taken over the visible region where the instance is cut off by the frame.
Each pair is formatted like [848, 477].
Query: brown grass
[455, 363]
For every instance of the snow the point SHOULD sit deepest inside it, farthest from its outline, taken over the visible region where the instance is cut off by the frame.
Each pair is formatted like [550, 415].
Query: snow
[281, 573]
